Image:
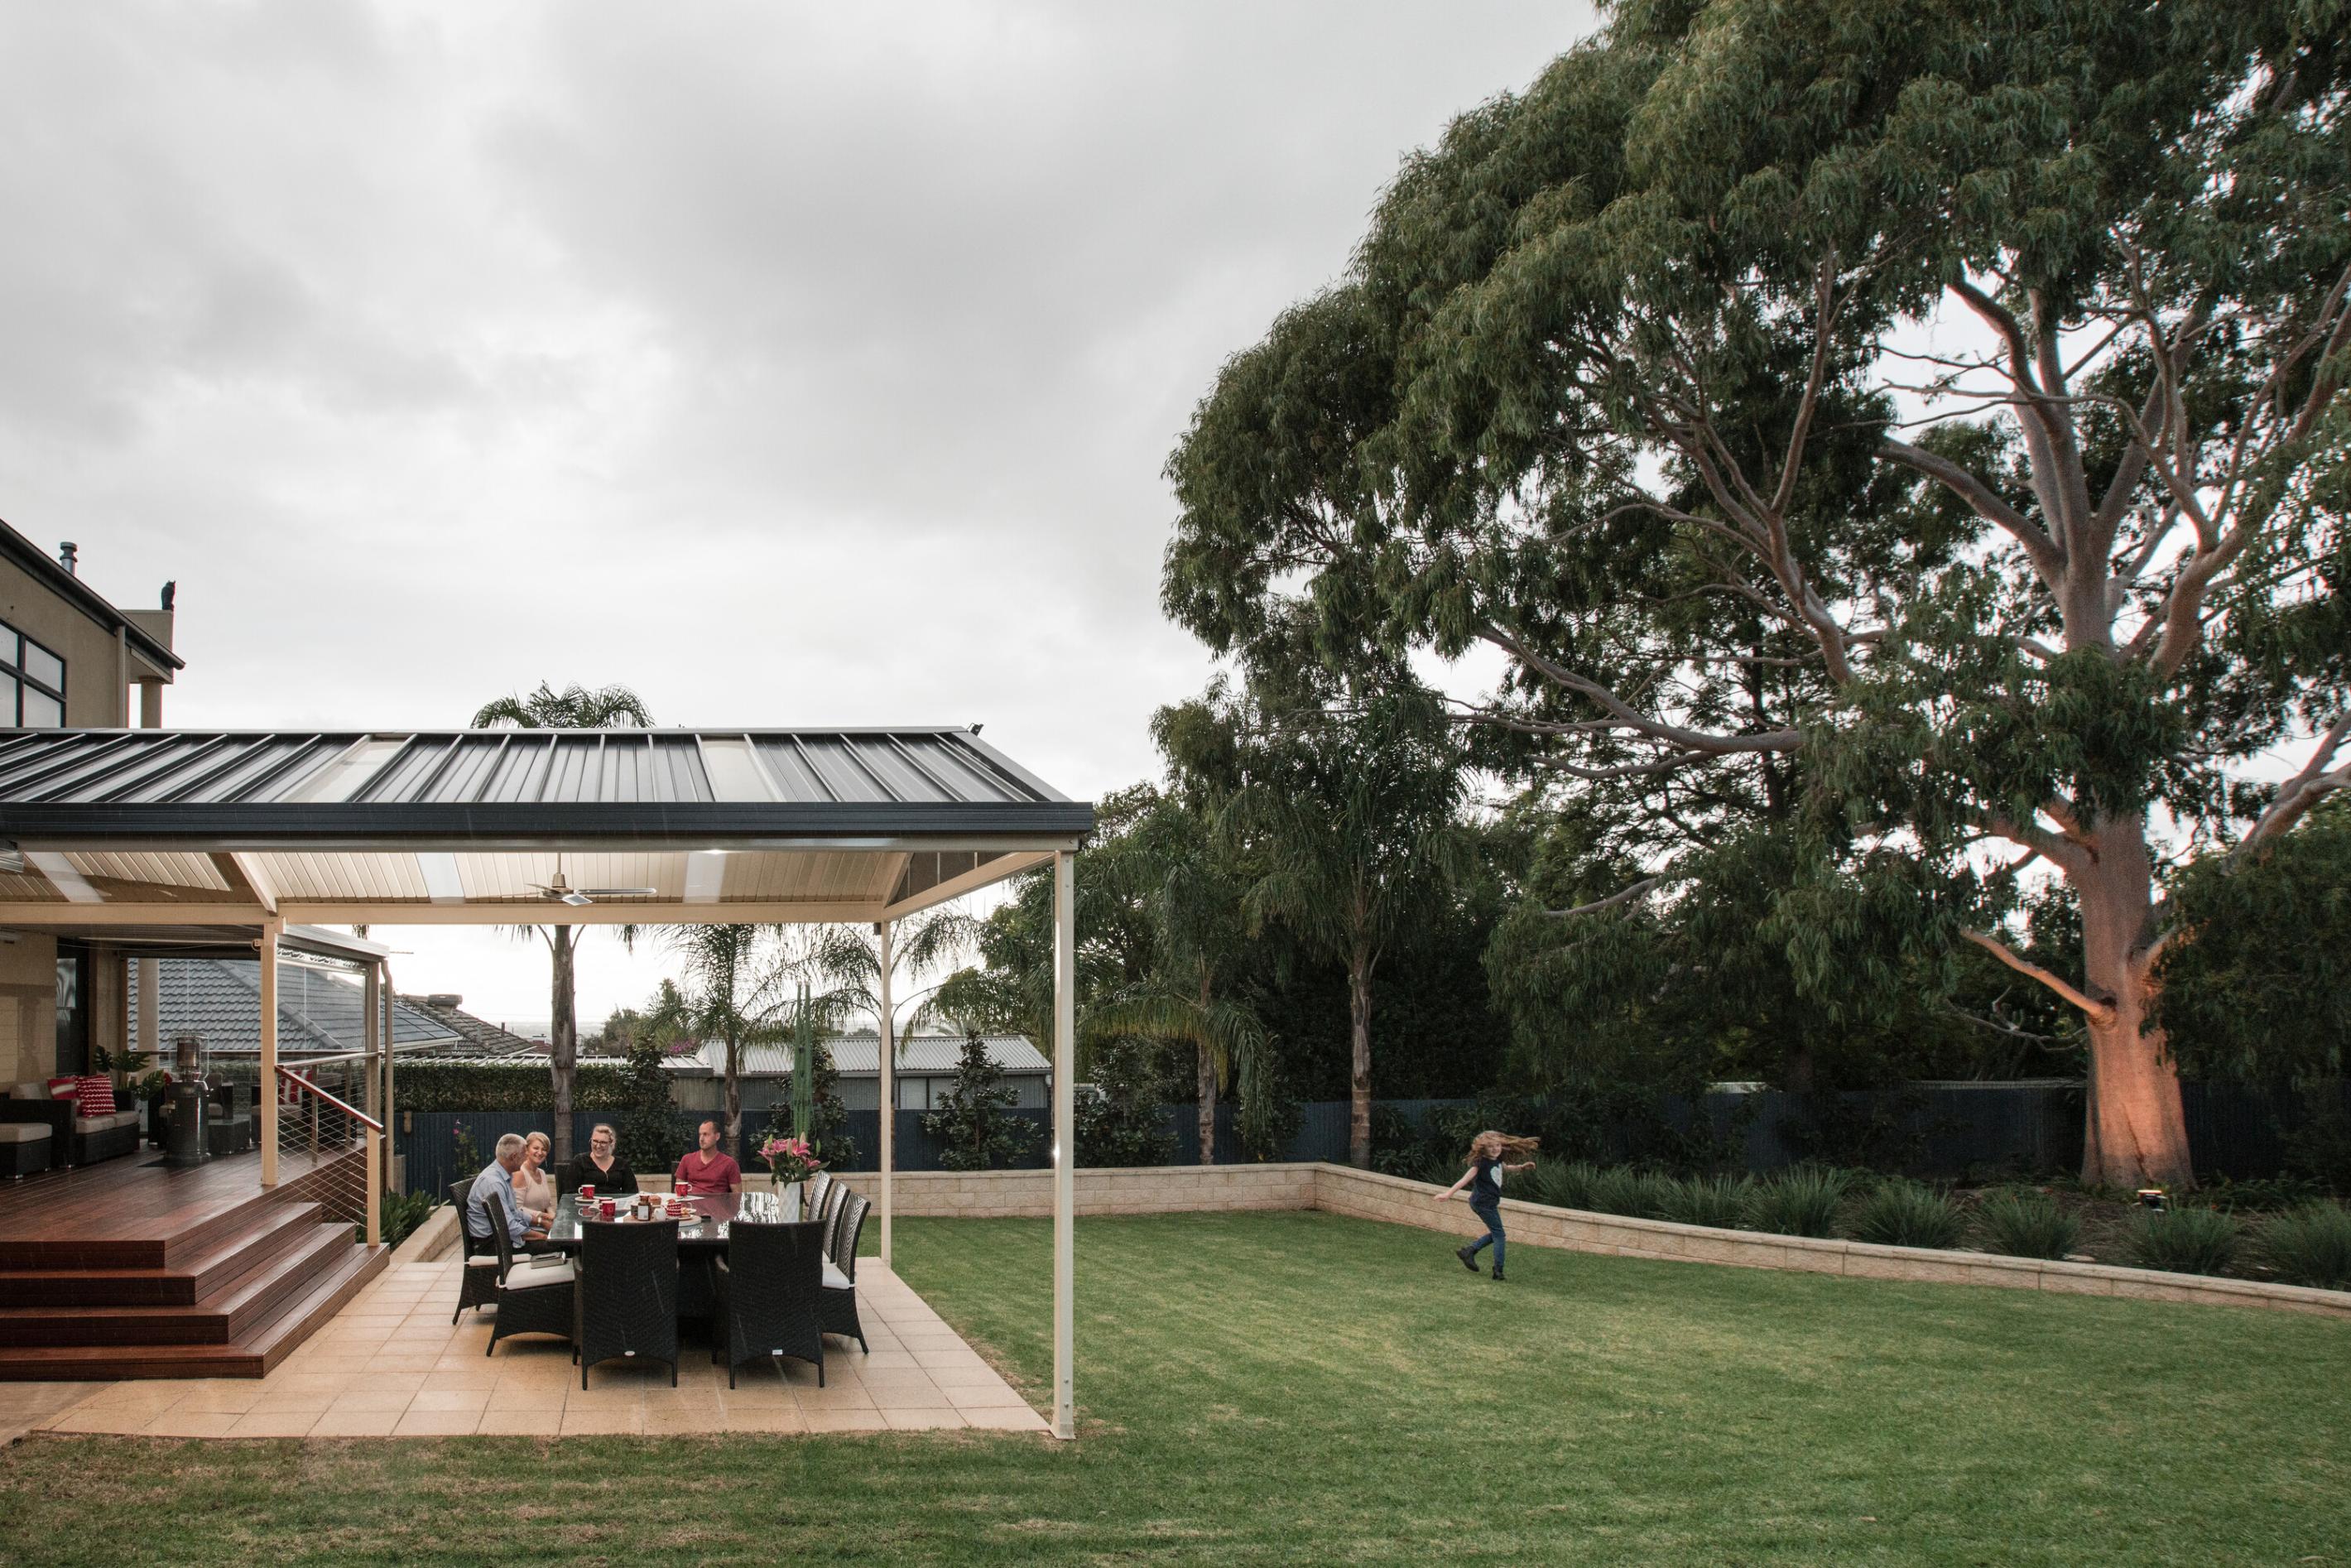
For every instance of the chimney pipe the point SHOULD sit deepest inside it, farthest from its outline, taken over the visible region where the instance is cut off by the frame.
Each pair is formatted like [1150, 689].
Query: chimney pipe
[67, 552]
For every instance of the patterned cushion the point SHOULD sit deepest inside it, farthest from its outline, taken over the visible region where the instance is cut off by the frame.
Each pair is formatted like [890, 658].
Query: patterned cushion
[65, 1088]
[97, 1092]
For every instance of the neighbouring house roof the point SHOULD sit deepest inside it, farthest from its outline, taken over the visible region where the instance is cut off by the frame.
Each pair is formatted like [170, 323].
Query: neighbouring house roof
[319, 1012]
[47, 570]
[478, 1038]
[860, 1055]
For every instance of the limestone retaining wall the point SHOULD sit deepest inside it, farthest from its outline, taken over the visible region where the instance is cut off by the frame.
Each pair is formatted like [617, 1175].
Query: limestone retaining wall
[1341, 1189]
[1158, 1189]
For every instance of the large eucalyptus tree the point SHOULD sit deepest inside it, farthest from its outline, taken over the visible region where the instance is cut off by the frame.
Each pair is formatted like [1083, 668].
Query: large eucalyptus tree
[1933, 410]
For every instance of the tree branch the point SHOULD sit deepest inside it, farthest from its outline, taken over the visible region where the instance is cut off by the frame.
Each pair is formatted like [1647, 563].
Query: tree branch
[2047, 561]
[2298, 794]
[2099, 1012]
[1619, 896]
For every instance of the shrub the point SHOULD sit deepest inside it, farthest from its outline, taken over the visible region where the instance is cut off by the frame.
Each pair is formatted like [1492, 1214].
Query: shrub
[1566, 1184]
[398, 1213]
[2027, 1225]
[973, 1125]
[507, 1086]
[2310, 1245]
[1907, 1214]
[1636, 1194]
[2185, 1240]
[1798, 1201]
[1119, 1122]
[1719, 1201]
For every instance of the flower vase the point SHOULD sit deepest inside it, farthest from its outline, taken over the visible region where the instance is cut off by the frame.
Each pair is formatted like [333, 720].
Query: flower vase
[788, 1196]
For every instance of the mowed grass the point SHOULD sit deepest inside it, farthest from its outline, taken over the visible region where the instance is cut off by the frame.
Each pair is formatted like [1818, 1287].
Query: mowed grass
[1305, 1388]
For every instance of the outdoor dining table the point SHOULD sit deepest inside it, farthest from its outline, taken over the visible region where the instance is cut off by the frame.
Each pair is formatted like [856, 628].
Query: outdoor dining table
[701, 1234]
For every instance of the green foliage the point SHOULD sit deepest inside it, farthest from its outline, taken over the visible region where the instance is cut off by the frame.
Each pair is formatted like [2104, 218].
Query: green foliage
[970, 1125]
[1801, 1200]
[504, 1086]
[1908, 1214]
[1717, 1201]
[399, 1214]
[2253, 974]
[2184, 1240]
[1270, 1113]
[1565, 1184]
[648, 1136]
[2309, 1246]
[2320, 1149]
[1117, 1115]
[1635, 1194]
[2027, 1225]
[469, 1155]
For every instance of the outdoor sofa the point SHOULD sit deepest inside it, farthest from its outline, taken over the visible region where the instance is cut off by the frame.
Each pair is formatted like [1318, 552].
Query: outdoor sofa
[74, 1139]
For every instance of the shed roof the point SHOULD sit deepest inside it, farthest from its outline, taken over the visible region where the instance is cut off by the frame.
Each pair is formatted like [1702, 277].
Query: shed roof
[860, 1055]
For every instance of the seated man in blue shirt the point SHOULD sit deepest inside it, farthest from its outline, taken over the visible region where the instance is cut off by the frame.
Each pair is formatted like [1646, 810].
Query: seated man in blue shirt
[498, 1177]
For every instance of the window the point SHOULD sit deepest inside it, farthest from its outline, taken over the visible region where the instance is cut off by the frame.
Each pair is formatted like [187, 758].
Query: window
[32, 683]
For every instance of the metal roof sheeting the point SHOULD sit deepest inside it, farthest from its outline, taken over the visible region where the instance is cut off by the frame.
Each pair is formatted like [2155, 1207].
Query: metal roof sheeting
[860, 1055]
[329, 786]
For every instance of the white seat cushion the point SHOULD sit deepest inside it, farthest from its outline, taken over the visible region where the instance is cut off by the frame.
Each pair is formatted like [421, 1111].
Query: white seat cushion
[539, 1279]
[485, 1261]
[125, 1118]
[23, 1132]
[834, 1279]
[93, 1123]
[35, 1090]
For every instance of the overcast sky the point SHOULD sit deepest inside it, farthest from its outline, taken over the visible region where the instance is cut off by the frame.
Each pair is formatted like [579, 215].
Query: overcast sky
[789, 365]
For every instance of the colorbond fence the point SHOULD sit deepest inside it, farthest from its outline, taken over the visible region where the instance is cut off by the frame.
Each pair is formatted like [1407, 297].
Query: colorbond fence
[1947, 1131]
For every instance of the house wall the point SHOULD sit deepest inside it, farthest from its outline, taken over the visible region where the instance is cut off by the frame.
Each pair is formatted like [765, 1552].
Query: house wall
[29, 1008]
[97, 694]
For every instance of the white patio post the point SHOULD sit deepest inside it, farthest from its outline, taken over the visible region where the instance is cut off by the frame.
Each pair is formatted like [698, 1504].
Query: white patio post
[371, 1042]
[265, 1093]
[1065, 1144]
[886, 1033]
[390, 1146]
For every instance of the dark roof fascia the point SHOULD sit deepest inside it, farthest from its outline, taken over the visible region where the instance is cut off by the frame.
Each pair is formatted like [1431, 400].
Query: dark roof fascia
[53, 575]
[715, 824]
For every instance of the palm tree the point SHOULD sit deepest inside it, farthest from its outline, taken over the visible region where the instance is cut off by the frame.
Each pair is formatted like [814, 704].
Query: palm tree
[729, 996]
[845, 963]
[1351, 823]
[574, 708]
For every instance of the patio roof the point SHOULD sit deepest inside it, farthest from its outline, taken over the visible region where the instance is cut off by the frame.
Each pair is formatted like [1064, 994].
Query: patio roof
[393, 827]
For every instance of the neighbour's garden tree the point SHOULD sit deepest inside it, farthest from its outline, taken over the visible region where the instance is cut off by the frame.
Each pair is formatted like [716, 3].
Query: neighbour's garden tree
[1349, 821]
[1117, 1118]
[970, 1125]
[843, 963]
[649, 1138]
[574, 708]
[1973, 376]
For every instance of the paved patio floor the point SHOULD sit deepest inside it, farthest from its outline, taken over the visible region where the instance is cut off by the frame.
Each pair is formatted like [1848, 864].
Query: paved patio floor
[391, 1364]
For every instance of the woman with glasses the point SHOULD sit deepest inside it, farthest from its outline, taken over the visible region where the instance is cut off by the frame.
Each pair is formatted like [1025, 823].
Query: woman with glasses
[600, 1167]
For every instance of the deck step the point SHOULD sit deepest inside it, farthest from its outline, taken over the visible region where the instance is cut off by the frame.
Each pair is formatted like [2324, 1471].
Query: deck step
[240, 1301]
[252, 1353]
[183, 1284]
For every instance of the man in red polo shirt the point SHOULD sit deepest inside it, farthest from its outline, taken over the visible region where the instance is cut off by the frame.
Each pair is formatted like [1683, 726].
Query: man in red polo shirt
[707, 1168]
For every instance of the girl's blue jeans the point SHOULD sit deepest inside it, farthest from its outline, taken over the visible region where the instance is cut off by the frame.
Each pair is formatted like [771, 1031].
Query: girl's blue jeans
[1492, 1215]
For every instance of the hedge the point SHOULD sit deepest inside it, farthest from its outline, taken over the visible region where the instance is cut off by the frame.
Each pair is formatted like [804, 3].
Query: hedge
[503, 1086]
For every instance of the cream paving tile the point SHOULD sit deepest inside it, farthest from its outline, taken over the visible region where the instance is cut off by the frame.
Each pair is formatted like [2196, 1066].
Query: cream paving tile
[371, 1401]
[309, 1382]
[980, 1377]
[119, 1419]
[236, 1398]
[591, 1421]
[832, 1396]
[178, 1422]
[340, 1422]
[846, 1421]
[437, 1424]
[999, 1397]
[440, 1396]
[516, 1423]
[265, 1422]
[888, 1359]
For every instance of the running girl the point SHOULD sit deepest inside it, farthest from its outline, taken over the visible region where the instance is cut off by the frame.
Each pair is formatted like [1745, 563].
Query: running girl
[1487, 1152]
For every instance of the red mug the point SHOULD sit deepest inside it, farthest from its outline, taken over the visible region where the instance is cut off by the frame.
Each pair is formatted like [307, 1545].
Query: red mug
[587, 1193]
[607, 1208]
[685, 1188]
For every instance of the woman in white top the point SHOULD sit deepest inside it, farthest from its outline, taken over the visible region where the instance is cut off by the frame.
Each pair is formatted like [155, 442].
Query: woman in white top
[534, 1188]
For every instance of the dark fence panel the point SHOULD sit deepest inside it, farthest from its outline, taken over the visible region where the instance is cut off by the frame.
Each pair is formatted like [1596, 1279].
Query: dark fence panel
[1952, 1131]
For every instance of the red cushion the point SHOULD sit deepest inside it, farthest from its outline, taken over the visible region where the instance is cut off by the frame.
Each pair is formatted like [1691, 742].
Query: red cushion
[97, 1095]
[65, 1089]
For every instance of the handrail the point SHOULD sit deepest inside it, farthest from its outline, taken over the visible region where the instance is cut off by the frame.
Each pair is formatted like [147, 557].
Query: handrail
[413, 1046]
[348, 1109]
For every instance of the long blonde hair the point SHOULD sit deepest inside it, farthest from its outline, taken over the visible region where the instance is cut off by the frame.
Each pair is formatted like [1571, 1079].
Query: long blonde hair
[1497, 1145]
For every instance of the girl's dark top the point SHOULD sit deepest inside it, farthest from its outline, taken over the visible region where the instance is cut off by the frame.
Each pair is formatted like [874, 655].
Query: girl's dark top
[1486, 1186]
[582, 1172]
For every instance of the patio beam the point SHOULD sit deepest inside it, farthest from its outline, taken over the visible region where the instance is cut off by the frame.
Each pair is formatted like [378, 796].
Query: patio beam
[886, 1037]
[981, 875]
[1065, 1145]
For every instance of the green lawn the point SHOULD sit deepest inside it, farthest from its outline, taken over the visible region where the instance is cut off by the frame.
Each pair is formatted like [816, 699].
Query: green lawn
[1300, 1388]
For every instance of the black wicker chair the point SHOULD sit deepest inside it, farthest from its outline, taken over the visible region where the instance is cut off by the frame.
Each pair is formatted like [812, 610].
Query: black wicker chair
[815, 1195]
[827, 1211]
[837, 1303]
[627, 1302]
[531, 1300]
[768, 1287]
[477, 1286]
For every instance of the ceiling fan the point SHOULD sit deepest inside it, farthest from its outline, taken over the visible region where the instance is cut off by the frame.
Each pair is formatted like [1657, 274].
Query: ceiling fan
[562, 891]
